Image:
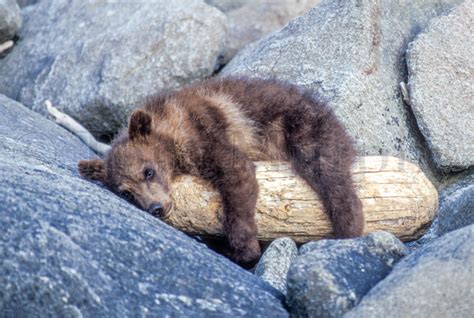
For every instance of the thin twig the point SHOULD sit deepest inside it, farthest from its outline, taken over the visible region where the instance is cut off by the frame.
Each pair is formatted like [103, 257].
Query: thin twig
[76, 128]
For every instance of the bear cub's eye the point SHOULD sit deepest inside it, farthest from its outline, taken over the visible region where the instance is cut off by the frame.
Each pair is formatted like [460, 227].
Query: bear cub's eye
[148, 173]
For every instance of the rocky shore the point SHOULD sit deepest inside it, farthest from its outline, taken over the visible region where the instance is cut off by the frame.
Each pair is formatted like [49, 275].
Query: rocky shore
[399, 75]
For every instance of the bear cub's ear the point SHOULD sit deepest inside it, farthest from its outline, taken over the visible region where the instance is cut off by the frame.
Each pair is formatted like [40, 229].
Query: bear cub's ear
[140, 124]
[92, 169]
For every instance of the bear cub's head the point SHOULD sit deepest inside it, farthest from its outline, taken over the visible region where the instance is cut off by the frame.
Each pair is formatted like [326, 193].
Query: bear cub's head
[138, 167]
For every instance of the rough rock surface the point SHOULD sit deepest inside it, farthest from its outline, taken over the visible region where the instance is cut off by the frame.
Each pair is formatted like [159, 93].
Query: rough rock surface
[255, 19]
[441, 85]
[434, 281]
[71, 248]
[351, 53]
[24, 3]
[456, 206]
[10, 19]
[96, 60]
[331, 276]
[275, 262]
[455, 209]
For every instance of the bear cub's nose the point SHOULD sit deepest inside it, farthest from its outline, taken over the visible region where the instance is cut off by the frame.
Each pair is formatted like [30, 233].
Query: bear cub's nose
[156, 209]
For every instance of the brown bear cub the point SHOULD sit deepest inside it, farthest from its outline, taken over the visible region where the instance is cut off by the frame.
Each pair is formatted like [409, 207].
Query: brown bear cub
[214, 130]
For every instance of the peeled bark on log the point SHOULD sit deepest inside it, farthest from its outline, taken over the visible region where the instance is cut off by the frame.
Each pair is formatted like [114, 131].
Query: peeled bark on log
[396, 196]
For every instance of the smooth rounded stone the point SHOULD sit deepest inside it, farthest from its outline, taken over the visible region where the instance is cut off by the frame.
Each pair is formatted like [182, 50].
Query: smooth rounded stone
[275, 262]
[350, 53]
[440, 63]
[255, 19]
[329, 277]
[456, 207]
[434, 281]
[98, 60]
[10, 19]
[70, 248]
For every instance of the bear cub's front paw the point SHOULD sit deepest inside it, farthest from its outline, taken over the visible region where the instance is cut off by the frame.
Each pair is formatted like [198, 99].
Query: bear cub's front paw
[247, 255]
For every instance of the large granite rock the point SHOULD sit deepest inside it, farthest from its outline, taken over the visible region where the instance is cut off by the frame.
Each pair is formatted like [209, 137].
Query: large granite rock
[10, 19]
[70, 248]
[331, 276]
[97, 60]
[274, 264]
[435, 281]
[456, 206]
[441, 85]
[252, 20]
[351, 53]
[455, 209]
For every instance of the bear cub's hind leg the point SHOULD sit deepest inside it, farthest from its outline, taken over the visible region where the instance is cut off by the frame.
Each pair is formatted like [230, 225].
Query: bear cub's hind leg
[322, 153]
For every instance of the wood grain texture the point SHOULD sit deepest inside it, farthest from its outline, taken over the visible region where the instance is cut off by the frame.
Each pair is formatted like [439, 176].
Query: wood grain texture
[396, 195]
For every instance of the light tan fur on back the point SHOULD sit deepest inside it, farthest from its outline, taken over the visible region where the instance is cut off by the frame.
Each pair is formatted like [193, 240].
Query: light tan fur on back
[174, 123]
[241, 131]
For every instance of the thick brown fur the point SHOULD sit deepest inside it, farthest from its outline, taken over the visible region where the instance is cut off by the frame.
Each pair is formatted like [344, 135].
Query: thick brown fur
[213, 130]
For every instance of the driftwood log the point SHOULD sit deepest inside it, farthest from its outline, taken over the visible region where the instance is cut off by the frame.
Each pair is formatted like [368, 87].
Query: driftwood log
[396, 196]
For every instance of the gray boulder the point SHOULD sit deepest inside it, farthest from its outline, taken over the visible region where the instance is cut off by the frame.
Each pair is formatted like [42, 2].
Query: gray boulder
[70, 248]
[10, 19]
[456, 206]
[434, 281]
[253, 20]
[455, 210]
[351, 53]
[274, 264]
[97, 60]
[440, 63]
[331, 276]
